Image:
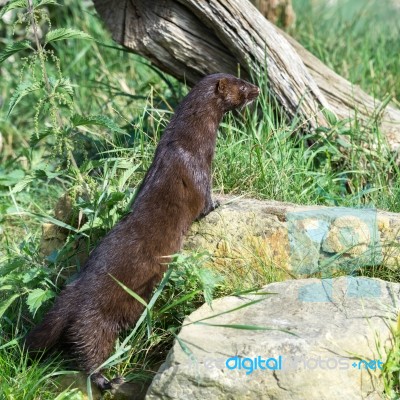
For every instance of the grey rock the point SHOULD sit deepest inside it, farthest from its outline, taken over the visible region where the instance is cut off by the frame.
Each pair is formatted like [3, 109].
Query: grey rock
[303, 239]
[331, 336]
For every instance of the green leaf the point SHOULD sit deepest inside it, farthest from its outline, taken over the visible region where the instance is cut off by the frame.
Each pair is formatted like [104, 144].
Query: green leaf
[343, 143]
[247, 327]
[101, 120]
[330, 116]
[63, 83]
[55, 222]
[39, 174]
[70, 394]
[48, 218]
[125, 176]
[7, 303]
[22, 184]
[131, 292]
[248, 304]
[66, 33]
[11, 343]
[36, 138]
[46, 173]
[209, 281]
[31, 275]
[9, 268]
[185, 348]
[91, 224]
[14, 48]
[12, 5]
[42, 3]
[182, 299]
[37, 297]
[21, 91]
[11, 178]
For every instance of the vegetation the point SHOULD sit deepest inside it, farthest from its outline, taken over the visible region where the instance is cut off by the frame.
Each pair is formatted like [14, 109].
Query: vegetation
[79, 115]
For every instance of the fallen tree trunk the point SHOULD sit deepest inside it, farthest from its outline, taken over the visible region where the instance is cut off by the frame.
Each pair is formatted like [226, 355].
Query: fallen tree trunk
[193, 38]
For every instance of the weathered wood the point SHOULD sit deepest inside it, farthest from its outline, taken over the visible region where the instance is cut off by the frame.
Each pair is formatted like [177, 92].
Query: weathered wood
[192, 38]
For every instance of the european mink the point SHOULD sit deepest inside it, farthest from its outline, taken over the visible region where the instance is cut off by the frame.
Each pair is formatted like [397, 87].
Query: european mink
[90, 312]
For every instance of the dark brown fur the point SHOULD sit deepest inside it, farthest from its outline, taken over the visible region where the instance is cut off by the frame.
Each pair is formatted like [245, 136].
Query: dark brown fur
[92, 310]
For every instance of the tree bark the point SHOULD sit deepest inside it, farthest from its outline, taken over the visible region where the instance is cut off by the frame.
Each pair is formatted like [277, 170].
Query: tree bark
[193, 38]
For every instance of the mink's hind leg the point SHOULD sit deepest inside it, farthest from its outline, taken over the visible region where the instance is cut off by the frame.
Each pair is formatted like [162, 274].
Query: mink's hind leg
[94, 340]
[103, 383]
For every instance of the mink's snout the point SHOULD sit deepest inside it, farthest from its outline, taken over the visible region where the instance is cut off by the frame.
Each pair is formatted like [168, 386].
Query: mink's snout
[254, 91]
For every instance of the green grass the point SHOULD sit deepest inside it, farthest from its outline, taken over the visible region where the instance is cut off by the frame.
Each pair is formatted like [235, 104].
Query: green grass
[258, 154]
[391, 374]
[22, 379]
[357, 39]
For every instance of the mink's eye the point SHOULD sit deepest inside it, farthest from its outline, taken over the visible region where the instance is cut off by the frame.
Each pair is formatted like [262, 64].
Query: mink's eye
[242, 88]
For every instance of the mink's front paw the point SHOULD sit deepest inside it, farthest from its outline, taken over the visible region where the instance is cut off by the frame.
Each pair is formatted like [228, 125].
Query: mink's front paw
[211, 206]
[215, 204]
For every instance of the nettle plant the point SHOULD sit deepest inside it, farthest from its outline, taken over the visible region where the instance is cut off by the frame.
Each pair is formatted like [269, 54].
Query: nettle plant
[41, 83]
[41, 76]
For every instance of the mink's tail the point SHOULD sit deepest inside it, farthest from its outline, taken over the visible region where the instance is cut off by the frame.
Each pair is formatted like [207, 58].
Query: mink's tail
[48, 333]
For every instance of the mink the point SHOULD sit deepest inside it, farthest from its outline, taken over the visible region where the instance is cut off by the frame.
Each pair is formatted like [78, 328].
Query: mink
[89, 313]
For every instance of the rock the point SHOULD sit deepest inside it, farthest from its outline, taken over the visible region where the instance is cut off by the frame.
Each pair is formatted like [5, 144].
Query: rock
[130, 391]
[327, 342]
[347, 234]
[251, 235]
[304, 251]
[242, 239]
[53, 238]
[343, 238]
[64, 210]
[302, 240]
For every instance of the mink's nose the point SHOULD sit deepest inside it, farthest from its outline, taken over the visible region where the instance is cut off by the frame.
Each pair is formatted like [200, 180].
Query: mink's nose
[256, 90]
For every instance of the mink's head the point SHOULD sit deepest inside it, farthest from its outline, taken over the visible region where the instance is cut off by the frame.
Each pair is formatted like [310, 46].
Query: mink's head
[233, 93]
[222, 92]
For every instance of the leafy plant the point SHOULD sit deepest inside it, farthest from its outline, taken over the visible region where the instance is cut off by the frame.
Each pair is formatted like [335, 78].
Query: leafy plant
[41, 76]
[18, 281]
[391, 368]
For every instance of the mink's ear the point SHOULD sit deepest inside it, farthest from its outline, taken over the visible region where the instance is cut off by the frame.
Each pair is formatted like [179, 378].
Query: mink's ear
[221, 85]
